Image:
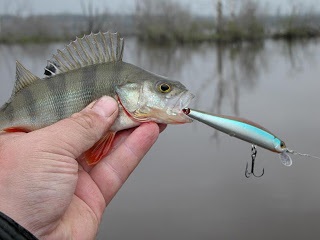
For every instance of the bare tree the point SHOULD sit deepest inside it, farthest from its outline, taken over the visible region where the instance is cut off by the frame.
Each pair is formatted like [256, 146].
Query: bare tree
[219, 17]
[163, 21]
[95, 19]
[17, 10]
[243, 22]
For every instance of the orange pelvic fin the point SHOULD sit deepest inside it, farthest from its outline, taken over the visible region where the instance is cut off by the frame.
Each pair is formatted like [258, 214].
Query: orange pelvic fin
[16, 129]
[100, 149]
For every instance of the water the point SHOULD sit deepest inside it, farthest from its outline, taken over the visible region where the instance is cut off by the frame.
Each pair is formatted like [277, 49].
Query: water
[191, 185]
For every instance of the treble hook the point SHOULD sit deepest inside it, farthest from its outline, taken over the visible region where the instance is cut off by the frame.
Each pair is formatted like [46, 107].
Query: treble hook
[253, 157]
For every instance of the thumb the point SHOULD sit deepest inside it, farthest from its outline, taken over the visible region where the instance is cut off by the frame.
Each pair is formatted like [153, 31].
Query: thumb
[76, 134]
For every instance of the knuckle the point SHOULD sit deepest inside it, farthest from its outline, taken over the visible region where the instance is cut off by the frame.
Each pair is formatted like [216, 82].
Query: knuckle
[85, 120]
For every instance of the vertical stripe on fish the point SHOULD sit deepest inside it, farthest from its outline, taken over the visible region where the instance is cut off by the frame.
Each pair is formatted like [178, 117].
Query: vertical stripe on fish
[57, 92]
[30, 103]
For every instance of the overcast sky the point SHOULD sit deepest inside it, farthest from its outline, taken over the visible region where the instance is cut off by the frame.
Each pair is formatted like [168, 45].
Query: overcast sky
[126, 6]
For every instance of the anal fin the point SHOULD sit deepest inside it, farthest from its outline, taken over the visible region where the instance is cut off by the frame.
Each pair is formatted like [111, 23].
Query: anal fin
[100, 149]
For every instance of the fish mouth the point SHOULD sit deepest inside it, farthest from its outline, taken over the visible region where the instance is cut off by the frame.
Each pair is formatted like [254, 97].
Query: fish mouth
[171, 113]
[179, 103]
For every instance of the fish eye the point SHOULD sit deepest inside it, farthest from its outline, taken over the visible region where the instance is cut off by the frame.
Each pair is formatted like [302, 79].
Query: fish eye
[164, 87]
[282, 144]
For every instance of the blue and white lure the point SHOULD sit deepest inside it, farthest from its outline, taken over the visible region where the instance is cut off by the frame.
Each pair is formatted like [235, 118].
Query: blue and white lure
[247, 131]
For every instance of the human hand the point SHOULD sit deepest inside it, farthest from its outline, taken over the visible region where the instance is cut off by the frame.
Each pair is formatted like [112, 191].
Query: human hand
[46, 190]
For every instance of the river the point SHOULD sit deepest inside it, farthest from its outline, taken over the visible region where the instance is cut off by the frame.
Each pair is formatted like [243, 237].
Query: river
[191, 185]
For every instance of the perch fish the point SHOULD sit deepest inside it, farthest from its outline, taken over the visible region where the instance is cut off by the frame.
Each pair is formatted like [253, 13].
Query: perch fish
[85, 70]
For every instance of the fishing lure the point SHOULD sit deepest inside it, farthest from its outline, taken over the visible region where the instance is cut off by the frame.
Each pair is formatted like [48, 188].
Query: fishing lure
[248, 131]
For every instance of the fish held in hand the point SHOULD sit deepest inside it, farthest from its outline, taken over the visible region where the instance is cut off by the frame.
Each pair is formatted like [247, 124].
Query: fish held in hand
[85, 70]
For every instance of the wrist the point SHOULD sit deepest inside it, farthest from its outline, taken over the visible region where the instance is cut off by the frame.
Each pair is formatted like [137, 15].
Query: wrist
[11, 230]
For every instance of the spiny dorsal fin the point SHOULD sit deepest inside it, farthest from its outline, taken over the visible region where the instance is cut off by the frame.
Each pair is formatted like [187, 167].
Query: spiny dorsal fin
[88, 50]
[23, 78]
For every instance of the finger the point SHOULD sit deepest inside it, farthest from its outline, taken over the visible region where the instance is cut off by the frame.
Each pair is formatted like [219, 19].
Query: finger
[4, 136]
[120, 137]
[113, 171]
[76, 134]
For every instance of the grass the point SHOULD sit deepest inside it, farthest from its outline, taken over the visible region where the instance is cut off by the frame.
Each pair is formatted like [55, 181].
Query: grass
[293, 33]
[16, 39]
[194, 33]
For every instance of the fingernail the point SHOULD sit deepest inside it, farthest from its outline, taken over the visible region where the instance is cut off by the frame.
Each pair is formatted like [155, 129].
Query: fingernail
[105, 106]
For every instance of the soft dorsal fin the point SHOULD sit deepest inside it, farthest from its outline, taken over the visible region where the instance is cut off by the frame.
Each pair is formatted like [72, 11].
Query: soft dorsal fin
[88, 50]
[23, 78]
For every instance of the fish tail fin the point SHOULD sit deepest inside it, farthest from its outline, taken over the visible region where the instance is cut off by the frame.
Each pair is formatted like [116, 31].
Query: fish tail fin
[15, 129]
[99, 150]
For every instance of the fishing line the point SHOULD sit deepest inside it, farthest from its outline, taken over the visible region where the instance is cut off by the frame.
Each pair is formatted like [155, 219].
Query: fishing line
[301, 154]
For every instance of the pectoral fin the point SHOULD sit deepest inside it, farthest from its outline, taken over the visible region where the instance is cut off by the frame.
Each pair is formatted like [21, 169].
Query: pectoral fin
[100, 149]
